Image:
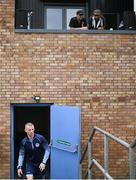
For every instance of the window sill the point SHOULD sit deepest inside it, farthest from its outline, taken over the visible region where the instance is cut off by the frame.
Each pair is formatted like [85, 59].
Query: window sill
[39, 31]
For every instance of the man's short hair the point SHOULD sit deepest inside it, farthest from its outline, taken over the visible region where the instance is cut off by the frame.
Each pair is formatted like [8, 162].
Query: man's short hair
[29, 124]
[80, 13]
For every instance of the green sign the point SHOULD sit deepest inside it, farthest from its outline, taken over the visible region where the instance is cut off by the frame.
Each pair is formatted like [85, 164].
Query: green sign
[63, 142]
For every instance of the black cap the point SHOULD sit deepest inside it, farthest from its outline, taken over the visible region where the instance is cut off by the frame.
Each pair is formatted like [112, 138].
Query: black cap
[80, 13]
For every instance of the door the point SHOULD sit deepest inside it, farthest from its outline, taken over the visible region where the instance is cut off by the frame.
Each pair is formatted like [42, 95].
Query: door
[65, 142]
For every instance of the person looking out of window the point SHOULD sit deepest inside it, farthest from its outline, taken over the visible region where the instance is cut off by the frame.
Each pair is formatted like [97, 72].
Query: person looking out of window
[97, 20]
[78, 22]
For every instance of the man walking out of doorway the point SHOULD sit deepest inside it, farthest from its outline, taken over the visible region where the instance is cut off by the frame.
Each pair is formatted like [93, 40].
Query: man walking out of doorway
[35, 151]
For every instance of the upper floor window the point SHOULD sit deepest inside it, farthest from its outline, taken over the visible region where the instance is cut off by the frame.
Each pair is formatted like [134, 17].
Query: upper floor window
[58, 18]
[56, 14]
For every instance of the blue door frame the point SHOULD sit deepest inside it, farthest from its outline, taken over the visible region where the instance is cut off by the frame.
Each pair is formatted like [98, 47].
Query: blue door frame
[12, 131]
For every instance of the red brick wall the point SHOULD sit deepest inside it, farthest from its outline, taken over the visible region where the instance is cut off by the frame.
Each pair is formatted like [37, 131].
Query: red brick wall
[94, 71]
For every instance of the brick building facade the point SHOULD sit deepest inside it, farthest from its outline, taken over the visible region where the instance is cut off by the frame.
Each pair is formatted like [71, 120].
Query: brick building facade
[94, 71]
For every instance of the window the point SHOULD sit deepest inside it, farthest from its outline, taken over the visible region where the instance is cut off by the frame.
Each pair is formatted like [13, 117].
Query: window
[54, 19]
[57, 18]
[71, 13]
[112, 20]
[54, 15]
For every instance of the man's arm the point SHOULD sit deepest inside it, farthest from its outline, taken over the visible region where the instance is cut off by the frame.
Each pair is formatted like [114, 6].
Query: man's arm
[46, 154]
[90, 23]
[47, 151]
[21, 156]
[20, 160]
[82, 28]
[84, 25]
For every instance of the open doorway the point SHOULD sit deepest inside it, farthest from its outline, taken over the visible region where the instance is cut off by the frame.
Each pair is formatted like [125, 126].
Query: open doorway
[37, 114]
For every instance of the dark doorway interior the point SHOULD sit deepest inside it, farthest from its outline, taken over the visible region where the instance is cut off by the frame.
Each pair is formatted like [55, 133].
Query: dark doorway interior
[40, 117]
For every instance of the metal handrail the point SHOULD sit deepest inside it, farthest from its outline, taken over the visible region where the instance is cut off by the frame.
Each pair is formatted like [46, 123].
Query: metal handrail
[113, 137]
[133, 144]
[104, 170]
[101, 169]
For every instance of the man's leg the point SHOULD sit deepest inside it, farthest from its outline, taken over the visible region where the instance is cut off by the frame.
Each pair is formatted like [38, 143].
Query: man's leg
[39, 175]
[29, 177]
[29, 171]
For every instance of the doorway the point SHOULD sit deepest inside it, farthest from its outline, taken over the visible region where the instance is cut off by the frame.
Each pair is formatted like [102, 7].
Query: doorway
[39, 115]
[60, 125]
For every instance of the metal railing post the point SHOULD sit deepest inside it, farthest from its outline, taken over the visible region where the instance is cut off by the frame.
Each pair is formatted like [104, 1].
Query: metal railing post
[92, 162]
[80, 170]
[131, 163]
[89, 159]
[106, 153]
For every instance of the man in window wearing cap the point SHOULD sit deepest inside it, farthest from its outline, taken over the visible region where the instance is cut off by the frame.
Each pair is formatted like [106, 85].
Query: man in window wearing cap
[97, 20]
[78, 22]
[35, 151]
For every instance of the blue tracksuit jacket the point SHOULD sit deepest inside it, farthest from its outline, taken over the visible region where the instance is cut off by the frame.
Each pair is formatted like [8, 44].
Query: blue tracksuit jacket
[35, 151]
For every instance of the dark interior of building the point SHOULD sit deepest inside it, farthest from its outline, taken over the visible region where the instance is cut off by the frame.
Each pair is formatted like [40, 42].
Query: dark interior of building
[40, 117]
[114, 11]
